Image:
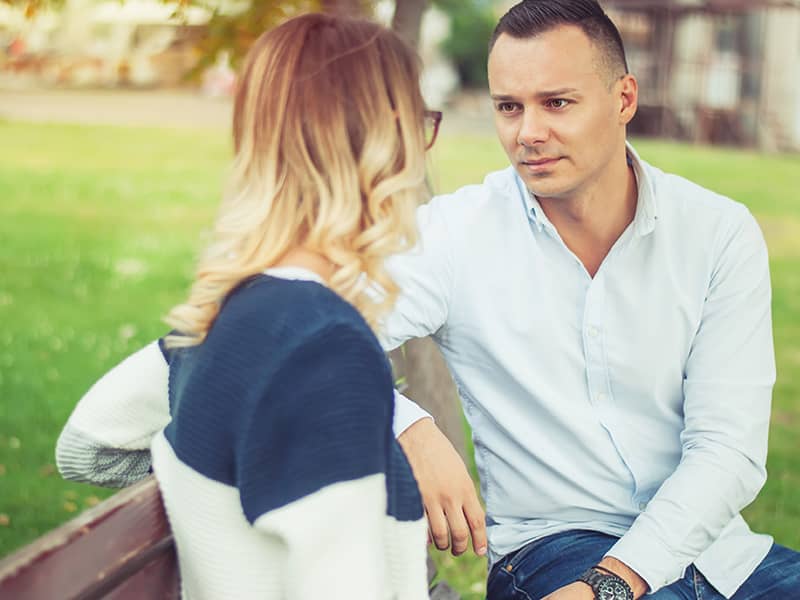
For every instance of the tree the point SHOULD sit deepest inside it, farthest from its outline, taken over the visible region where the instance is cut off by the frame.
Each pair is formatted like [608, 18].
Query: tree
[471, 25]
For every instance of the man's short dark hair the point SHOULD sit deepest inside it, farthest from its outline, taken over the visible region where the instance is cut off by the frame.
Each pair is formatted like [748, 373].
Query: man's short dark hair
[532, 17]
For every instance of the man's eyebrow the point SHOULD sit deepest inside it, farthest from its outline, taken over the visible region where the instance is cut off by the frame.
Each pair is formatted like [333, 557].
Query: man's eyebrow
[542, 94]
[558, 92]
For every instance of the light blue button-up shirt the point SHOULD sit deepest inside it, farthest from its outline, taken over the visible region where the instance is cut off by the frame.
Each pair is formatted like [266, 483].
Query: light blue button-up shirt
[636, 402]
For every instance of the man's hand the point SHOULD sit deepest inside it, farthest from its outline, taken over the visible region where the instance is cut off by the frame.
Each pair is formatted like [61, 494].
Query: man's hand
[574, 591]
[638, 585]
[448, 492]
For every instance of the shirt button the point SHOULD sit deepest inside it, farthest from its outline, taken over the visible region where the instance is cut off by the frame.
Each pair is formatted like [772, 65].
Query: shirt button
[642, 505]
[602, 397]
[594, 332]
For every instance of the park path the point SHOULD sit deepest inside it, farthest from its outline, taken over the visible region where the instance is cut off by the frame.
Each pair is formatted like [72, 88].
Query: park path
[158, 108]
[178, 108]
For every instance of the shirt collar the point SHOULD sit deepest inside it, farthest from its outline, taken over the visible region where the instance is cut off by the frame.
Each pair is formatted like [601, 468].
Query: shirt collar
[296, 273]
[644, 221]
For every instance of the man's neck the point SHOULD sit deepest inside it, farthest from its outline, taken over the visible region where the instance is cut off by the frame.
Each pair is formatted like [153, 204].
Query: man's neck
[593, 220]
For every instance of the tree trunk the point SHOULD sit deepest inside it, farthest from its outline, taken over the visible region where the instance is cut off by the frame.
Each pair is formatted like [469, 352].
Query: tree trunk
[428, 381]
[355, 8]
[408, 19]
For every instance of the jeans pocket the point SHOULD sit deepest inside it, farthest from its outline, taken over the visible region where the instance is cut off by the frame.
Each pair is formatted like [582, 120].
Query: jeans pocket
[518, 556]
[501, 583]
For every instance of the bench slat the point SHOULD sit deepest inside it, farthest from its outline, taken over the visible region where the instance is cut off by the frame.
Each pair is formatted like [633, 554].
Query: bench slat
[159, 579]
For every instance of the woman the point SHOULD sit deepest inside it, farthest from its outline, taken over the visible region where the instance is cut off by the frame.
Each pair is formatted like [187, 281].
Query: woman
[277, 463]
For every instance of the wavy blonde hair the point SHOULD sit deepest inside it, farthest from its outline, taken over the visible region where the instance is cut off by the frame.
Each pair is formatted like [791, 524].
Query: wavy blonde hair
[329, 156]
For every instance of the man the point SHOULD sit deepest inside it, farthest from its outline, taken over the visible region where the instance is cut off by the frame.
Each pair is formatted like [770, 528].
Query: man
[609, 330]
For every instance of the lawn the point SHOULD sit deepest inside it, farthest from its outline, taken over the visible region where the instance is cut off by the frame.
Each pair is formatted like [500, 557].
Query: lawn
[99, 227]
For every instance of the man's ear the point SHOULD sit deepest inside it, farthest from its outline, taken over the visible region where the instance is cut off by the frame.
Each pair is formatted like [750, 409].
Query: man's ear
[627, 89]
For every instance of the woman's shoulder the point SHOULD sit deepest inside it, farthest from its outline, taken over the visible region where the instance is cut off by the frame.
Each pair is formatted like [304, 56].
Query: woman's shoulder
[269, 325]
[305, 305]
[284, 326]
[286, 312]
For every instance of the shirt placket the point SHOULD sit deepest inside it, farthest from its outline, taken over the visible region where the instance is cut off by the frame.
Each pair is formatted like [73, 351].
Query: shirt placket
[594, 330]
[598, 373]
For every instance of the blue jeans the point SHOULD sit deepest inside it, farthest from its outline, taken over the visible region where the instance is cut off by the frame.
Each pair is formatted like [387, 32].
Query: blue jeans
[545, 565]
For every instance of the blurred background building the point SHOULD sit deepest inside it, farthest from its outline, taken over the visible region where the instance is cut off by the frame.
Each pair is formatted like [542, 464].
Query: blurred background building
[719, 71]
[710, 71]
[84, 43]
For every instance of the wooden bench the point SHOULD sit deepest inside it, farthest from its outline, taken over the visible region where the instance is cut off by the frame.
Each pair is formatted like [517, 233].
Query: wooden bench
[122, 549]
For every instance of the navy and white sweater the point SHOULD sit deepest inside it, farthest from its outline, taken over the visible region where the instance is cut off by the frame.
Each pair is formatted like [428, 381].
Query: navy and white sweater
[277, 462]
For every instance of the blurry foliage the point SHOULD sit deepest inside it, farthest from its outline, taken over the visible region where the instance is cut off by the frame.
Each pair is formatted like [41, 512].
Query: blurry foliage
[236, 32]
[471, 25]
[232, 31]
[33, 6]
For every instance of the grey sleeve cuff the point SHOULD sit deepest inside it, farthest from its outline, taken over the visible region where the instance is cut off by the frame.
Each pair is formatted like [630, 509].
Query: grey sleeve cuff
[80, 458]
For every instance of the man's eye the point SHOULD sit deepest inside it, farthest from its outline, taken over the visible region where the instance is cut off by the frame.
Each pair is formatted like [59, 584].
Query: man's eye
[557, 103]
[506, 107]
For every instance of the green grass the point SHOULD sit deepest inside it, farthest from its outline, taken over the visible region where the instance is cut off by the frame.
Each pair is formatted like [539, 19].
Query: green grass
[99, 227]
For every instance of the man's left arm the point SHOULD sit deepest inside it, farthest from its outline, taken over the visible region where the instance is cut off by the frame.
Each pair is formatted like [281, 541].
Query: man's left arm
[727, 388]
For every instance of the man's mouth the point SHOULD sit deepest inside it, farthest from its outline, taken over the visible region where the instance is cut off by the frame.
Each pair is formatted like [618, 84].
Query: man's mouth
[540, 162]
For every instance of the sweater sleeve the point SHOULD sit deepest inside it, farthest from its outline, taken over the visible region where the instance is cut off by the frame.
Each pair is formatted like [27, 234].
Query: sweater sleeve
[312, 466]
[106, 440]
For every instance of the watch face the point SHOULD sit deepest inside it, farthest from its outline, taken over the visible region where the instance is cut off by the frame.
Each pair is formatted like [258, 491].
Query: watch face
[608, 589]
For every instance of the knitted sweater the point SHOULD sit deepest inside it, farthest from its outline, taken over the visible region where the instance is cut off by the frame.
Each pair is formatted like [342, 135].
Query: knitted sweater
[278, 466]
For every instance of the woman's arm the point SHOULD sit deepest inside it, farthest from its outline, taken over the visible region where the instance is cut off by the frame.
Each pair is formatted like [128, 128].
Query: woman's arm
[106, 440]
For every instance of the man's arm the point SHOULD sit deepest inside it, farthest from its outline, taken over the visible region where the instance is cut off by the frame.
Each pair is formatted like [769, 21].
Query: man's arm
[426, 276]
[727, 386]
[106, 440]
[448, 492]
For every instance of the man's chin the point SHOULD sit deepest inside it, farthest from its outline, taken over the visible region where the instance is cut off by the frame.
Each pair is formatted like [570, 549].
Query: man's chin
[544, 186]
[535, 175]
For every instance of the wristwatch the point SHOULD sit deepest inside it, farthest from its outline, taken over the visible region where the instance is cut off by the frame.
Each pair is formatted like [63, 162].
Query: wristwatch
[606, 585]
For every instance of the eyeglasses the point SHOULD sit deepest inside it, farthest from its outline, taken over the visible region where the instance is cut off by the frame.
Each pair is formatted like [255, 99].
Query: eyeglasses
[432, 120]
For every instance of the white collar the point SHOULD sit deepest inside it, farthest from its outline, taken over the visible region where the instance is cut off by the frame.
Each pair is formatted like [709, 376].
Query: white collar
[295, 273]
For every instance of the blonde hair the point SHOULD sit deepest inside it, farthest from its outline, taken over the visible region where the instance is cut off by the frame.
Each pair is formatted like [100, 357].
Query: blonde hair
[329, 155]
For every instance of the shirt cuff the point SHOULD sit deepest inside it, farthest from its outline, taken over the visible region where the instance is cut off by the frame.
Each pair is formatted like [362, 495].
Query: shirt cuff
[406, 413]
[648, 557]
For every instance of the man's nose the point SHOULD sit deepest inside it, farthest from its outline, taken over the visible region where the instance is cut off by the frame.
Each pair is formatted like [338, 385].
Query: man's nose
[533, 129]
